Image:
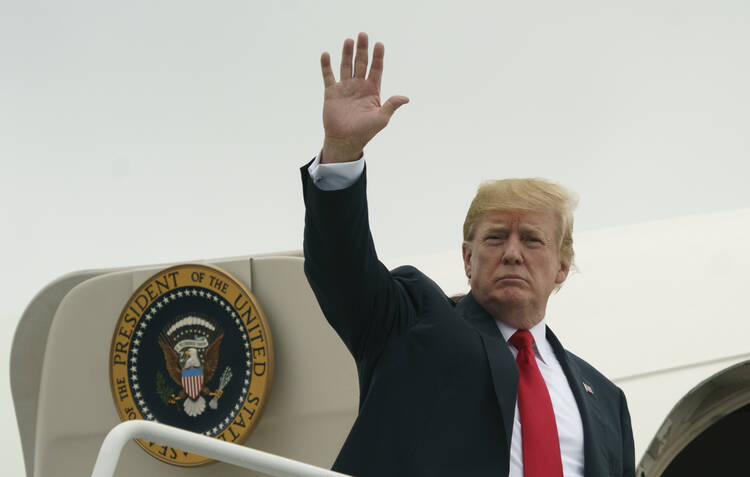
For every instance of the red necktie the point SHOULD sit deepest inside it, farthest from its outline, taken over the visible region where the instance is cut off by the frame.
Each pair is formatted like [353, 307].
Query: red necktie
[541, 447]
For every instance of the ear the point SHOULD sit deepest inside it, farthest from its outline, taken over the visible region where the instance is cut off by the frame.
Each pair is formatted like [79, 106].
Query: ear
[562, 273]
[466, 252]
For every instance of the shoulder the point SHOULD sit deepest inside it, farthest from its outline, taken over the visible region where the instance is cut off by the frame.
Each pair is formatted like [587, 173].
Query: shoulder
[409, 272]
[420, 287]
[412, 276]
[581, 368]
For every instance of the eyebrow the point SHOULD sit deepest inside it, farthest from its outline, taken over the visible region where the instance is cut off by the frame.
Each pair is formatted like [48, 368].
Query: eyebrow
[524, 230]
[530, 230]
[495, 229]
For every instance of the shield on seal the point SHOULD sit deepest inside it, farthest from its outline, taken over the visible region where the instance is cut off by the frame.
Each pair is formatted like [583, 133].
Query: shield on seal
[192, 381]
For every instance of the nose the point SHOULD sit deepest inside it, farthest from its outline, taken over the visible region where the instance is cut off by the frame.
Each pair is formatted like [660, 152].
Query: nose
[512, 254]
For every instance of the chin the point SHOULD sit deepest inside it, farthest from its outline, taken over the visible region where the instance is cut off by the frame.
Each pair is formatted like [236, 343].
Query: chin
[511, 298]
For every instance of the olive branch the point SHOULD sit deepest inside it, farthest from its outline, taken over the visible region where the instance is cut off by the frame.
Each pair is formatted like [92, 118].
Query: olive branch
[163, 389]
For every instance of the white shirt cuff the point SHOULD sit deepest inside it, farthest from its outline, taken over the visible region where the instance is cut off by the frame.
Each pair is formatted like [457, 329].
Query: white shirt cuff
[335, 176]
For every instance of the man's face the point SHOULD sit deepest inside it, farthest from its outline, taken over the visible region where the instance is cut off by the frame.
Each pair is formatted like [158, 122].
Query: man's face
[513, 264]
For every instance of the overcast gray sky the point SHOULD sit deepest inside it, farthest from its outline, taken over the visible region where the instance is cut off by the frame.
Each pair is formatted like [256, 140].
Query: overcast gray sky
[142, 132]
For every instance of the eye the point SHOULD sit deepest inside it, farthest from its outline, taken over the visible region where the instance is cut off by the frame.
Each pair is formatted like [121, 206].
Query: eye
[534, 242]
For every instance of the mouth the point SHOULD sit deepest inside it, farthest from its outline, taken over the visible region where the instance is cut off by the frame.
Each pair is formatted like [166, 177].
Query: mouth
[511, 277]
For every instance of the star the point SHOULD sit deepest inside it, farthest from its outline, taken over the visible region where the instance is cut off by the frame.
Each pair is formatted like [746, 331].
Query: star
[240, 399]
[215, 298]
[247, 372]
[138, 395]
[244, 390]
[139, 333]
[226, 420]
[202, 293]
[236, 406]
[136, 386]
[228, 308]
[221, 303]
[148, 317]
[145, 409]
[172, 296]
[247, 381]
[195, 292]
[150, 416]
[159, 305]
[141, 402]
[247, 363]
[136, 342]
[246, 345]
[134, 359]
[215, 430]
[133, 369]
[247, 354]
[234, 314]
[179, 293]
[165, 300]
[134, 377]
[134, 350]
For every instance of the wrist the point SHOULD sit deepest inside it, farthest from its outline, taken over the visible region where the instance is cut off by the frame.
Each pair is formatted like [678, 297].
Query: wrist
[335, 150]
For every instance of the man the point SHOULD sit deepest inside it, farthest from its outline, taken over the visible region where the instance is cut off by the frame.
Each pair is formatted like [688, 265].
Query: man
[476, 388]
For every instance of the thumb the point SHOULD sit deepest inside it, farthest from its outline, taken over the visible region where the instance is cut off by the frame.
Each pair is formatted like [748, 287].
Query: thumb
[393, 103]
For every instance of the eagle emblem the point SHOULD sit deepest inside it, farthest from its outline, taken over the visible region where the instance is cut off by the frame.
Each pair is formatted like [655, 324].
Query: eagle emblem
[192, 349]
[191, 345]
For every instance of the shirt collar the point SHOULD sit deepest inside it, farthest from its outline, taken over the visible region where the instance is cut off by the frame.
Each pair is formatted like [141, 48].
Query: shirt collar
[538, 331]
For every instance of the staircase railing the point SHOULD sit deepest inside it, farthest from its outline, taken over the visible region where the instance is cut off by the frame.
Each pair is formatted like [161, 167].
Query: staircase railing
[241, 456]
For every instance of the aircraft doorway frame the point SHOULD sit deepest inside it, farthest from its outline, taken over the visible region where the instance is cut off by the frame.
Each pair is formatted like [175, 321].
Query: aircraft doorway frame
[711, 400]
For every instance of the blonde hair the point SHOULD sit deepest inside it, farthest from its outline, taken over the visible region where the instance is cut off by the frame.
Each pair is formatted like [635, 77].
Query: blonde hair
[526, 195]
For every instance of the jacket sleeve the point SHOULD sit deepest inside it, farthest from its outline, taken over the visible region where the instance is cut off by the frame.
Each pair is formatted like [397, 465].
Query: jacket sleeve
[357, 294]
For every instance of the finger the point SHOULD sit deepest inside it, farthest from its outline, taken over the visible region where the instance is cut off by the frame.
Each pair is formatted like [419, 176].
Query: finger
[360, 61]
[325, 66]
[393, 103]
[346, 59]
[376, 70]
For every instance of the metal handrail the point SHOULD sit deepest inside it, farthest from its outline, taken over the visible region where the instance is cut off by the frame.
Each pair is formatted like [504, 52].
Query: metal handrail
[241, 456]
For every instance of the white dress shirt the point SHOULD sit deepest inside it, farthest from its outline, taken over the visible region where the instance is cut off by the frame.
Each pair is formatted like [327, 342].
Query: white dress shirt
[567, 416]
[335, 176]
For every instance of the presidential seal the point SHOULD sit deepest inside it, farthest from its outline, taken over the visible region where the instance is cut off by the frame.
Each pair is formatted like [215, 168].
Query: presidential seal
[192, 349]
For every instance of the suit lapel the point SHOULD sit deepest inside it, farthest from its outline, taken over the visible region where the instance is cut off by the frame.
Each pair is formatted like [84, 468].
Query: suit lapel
[505, 381]
[594, 462]
[500, 360]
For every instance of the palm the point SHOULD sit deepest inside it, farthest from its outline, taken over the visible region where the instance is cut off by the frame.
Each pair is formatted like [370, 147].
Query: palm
[352, 112]
[352, 109]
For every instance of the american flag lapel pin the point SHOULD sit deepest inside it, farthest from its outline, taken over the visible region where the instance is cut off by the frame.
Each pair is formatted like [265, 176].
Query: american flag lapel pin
[587, 388]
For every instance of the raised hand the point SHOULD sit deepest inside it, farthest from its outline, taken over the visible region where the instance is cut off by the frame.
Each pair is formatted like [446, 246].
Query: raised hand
[352, 113]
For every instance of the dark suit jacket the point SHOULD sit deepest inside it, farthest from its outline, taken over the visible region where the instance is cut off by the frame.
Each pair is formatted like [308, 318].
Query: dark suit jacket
[437, 381]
